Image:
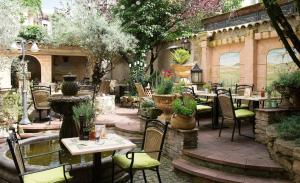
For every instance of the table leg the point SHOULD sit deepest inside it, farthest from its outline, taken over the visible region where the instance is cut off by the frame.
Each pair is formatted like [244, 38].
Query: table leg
[97, 167]
[215, 120]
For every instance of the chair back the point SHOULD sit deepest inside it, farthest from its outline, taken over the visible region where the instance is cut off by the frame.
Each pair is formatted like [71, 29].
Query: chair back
[40, 96]
[140, 90]
[240, 90]
[215, 86]
[226, 104]
[154, 137]
[188, 92]
[16, 153]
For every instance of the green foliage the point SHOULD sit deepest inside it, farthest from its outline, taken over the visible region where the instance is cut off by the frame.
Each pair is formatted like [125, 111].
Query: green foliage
[33, 4]
[147, 103]
[84, 109]
[185, 107]
[10, 17]
[269, 90]
[11, 107]
[32, 32]
[165, 87]
[228, 6]
[289, 128]
[181, 56]
[291, 80]
[178, 88]
[207, 86]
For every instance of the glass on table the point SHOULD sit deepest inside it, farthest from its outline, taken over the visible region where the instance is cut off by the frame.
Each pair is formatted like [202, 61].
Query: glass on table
[100, 131]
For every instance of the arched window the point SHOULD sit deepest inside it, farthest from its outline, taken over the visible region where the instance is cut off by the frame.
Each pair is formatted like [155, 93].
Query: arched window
[230, 68]
[278, 61]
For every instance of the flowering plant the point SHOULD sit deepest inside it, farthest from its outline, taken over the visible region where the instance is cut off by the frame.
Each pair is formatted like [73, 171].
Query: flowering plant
[167, 74]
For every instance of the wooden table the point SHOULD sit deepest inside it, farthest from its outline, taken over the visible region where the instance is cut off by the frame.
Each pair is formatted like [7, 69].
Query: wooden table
[80, 147]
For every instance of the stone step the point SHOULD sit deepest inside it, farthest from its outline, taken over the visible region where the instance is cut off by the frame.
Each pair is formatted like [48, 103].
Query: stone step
[262, 168]
[203, 174]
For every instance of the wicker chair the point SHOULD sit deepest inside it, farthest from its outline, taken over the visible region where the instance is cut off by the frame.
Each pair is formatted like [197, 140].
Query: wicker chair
[229, 113]
[40, 96]
[51, 174]
[240, 90]
[201, 107]
[149, 156]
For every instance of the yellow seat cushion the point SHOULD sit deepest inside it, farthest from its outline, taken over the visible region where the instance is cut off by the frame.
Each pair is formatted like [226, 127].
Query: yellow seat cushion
[54, 175]
[201, 108]
[141, 161]
[241, 106]
[244, 113]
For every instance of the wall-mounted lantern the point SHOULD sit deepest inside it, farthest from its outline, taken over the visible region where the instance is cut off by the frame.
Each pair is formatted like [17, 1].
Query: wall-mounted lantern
[186, 43]
[196, 74]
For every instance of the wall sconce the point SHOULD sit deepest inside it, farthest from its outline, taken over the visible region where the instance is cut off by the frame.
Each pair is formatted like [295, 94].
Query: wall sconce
[186, 43]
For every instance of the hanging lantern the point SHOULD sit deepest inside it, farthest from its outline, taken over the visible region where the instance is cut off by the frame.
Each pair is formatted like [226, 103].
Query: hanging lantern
[186, 44]
[196, 74]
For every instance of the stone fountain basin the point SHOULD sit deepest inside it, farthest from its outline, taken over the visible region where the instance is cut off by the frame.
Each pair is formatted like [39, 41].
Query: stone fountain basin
[82, 172]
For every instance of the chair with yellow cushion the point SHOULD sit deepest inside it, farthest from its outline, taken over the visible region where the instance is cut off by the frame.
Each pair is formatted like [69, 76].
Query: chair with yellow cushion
[240, 90]
[149, 156]
[230, 113]
[49, 175]
[201, 107]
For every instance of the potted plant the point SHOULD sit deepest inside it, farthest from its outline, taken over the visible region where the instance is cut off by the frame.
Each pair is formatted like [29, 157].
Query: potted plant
[184, 111]
[83, 116]
[288, 85]
[163, 96]
[207, 87]
[269, 93]
[181, 56]
[148, 109]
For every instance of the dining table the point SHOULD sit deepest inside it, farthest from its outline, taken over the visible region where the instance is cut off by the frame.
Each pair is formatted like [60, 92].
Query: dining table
[216, 112]
[111, 142]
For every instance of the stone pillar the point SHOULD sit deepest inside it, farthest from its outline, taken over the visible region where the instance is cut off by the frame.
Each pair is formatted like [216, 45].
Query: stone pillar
[249, 59]
[206, 61]
[46, 67]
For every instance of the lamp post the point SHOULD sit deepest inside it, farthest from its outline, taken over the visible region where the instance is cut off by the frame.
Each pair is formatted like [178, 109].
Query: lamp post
[196, 74]
[21, 45]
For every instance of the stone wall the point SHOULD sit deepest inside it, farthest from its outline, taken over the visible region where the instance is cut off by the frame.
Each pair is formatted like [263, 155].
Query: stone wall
[286, 153]
[264, 118]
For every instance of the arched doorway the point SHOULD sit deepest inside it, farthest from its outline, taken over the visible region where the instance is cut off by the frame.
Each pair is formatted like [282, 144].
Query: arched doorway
[34, 67]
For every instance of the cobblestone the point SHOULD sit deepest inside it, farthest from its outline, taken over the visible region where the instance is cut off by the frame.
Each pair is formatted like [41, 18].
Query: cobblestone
[167, 174]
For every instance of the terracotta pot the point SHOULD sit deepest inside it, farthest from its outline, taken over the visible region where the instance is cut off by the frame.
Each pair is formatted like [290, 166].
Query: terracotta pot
[182, 122]
[164, 103]
[69, 86]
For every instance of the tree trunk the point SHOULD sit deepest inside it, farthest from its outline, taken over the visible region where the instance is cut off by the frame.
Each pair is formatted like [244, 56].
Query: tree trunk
[276, 16]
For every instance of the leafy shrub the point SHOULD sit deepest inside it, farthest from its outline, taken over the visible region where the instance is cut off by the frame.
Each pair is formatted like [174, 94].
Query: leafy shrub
[291, 79]
[180, 56]
[147, 103]
[32, 32]
[289, 128]
[165, 87]
[185, 107]
[84, 109]
[11, 106]
[179, 87]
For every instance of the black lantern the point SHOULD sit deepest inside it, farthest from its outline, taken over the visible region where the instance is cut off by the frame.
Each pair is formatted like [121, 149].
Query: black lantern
[186, 44]
[196, 74]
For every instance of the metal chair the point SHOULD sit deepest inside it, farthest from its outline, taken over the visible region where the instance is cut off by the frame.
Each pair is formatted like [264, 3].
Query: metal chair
[149, 156]
[48, 175]
[40, 95]
[201, 107]
[240, 90]
[229, 113]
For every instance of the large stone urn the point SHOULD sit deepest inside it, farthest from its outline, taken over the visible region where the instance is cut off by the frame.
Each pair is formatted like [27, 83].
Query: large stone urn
[285, 94]
[69, 86]
[164, 103]
[183, 122]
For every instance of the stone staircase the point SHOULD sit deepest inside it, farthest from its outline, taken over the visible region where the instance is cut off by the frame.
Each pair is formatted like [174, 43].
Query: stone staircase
[206, 168]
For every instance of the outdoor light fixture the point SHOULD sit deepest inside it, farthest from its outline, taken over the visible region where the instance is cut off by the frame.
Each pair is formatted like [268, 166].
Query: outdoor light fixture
[21, 46]
[196, 74]
[186, 44]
